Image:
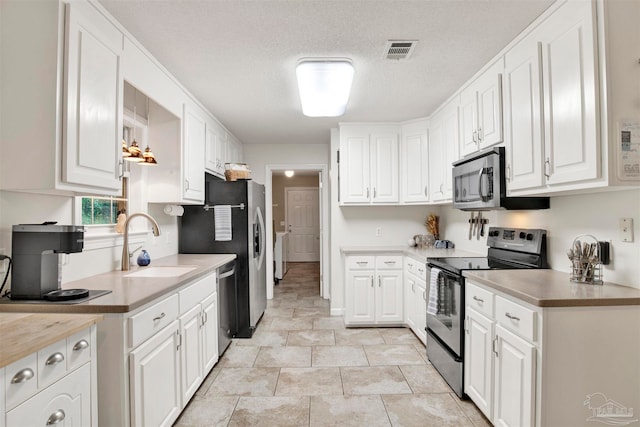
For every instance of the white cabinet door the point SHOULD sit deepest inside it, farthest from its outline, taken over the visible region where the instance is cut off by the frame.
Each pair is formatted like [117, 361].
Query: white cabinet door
[65, 403]
[514, 380]
[490, 106]
[92, 126]
[354, 168]
[436, 158]
[155, 379]
[468, 121]
[193, 155]
[215, 149]
[209, 333]
[415, 163]
[478, 365]
[384, 168]
[190, 352]
[388, 297]
[451, 144]
[420, 312]
[409, 300]
[523, 115]
[572, 145]
[360, 297]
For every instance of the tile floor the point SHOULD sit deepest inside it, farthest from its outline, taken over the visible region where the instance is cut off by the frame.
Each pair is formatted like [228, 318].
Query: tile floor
[304, 368]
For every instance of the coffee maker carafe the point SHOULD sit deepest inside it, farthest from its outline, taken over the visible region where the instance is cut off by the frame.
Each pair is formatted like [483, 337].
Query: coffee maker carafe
[35, 250]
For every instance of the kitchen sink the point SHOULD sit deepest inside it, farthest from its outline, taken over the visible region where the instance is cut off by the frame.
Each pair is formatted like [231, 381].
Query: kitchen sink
[162, 272]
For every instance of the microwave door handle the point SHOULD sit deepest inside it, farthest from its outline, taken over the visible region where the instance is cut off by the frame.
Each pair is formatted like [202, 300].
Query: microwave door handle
[482, 196]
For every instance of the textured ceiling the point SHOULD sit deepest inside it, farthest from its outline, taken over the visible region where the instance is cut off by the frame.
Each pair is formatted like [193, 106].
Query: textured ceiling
[238, 57]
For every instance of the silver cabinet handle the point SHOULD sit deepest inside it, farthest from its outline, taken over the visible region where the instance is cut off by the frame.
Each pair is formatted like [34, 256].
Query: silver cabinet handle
[372, 281]
[441, 192]
[475, 136]
[475, 298]
[512, 317]
[22, 376]
[413, 287]
[480, 134]
[155, 319]
[426, 193]
[367, 192]
[420, 270]
[362, 262]
[179, 336]
[80, 345]
[54, 359]
[494, 345]
[547, 165]
[56, 417]
[424, 295]
[379, 281]
[375, 194]
[508, 173]
[390, 262]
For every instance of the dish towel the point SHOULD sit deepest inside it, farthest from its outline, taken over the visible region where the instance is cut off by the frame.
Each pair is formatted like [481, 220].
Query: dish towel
[222, 222]
[434, 291]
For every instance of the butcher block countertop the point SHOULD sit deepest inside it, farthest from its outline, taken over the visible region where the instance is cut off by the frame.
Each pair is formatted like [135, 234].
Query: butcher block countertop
[551, 288]
[127, 293]
[25, 333]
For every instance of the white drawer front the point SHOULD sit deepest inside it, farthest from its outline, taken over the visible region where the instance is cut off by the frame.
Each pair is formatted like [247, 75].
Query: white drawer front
[517, 318]
[52, 363]
[151, 320]
[480, 299]
[21, 380]
[194, 294]
[361, 263]
[386, 262]
[79, 349]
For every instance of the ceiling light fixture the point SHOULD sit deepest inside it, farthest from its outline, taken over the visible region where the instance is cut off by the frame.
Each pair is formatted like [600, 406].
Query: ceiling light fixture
[324, 85]
[288, 174]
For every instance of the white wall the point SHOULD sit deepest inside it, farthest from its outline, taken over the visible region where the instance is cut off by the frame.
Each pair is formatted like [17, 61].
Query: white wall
[597, 214]
[257, 156]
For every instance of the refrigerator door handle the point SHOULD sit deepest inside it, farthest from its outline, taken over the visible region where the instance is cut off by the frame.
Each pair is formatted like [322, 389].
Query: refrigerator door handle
[259, 236]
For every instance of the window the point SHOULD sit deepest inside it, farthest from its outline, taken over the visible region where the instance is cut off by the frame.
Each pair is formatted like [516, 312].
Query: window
[102, 210]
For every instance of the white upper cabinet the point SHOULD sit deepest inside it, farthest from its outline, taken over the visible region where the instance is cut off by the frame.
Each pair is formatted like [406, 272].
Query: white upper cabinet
[523, 115]
[481, 111]
[215, 148]
[415, 162]
[572, 145]
[193, 154]
[68, 80]
[369, 164]
[443, 150]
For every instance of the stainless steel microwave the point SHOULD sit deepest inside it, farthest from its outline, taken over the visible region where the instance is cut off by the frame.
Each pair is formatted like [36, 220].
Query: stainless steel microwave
[479, 184]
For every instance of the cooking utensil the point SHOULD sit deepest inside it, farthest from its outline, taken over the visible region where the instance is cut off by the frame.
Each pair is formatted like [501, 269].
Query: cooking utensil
[471, 225]
[479, 220]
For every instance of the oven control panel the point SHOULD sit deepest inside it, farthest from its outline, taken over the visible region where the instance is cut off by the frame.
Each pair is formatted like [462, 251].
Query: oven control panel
[517, 239]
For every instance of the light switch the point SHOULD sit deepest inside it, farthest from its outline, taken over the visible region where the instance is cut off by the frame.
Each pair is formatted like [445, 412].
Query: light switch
[282, 223]
[626, 229]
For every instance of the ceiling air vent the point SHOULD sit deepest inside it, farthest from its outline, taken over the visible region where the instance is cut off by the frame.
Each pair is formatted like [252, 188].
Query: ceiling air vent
[399, 49]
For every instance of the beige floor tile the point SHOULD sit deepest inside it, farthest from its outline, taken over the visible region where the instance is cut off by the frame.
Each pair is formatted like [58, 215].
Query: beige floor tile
[310, 312]
[244, 382]
[399, 336]
[472, 412]
[271, 411]
[422, 350]
[424, 379]
[264, 337]
[334, 322]
[290, 324]
[311, 337]
[373, 380]
[393, 354]
[279, 311]
[324, 356]
[298, 303]
[358, 337]
[237, 356]
[204, 387]
[425, 410]
[348, 411]
[284, 357]
[209, 412]
[309, 382]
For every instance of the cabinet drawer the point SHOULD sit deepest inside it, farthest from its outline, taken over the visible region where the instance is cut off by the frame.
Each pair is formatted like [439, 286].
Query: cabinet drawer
[52, 363]
[480, 299]
[517, 318]
[195, 293]
[360, 263]
[21, 380]
[389, 262]
[417, 268]
[151, 320]
[79, 349]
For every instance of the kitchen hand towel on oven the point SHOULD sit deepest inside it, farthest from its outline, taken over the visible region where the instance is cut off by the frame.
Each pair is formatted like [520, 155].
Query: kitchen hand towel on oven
[222, 222]
[434, 291]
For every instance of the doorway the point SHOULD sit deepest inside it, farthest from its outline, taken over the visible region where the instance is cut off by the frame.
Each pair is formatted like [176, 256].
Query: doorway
[302, 221]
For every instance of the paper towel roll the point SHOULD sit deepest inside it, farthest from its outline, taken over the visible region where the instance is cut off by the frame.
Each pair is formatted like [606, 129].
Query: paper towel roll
[173, 210]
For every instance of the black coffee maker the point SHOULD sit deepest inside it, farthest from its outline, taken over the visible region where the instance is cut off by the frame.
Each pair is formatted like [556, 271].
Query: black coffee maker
[35, 250]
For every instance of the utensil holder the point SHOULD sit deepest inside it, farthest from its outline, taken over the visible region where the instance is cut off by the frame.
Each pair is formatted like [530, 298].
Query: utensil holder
[586, 264]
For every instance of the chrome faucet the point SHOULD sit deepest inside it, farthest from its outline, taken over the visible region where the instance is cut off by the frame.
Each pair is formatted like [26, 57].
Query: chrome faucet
[125, 244]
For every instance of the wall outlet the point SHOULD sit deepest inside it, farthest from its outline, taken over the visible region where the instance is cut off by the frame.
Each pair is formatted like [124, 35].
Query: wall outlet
[626, 229]
[378, 231]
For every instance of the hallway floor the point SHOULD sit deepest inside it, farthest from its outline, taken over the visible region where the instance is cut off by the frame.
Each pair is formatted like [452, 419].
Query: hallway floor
[304, 368]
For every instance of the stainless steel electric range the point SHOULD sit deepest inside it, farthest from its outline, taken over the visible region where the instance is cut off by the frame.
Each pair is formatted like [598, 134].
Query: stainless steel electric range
[509, 248]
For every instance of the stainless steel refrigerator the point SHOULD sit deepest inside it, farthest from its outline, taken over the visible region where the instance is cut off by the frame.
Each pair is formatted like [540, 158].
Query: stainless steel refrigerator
[197, 235]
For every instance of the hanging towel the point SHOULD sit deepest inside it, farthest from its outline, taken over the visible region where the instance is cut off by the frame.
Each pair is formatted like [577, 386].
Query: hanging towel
[434, 291]
[222, 222]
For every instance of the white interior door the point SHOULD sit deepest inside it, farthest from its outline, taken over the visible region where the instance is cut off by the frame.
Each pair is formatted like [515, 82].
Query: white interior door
[303, 223]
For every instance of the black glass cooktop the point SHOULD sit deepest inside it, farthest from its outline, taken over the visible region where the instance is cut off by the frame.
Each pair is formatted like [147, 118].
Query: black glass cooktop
[456, 265]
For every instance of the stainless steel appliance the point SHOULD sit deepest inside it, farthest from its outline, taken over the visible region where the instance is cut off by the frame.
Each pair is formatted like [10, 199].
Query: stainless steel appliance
[197, 235]
[479, 184]
[509, 248]
[226, 288]
[35, 250]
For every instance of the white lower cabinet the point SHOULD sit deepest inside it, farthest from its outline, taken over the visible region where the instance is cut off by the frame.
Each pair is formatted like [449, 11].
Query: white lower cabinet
[415, 297]
[155, 358]
[55, 386]
[374, 292]
[478, 367]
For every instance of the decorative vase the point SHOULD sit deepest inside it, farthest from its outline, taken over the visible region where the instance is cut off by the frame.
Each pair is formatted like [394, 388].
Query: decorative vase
[144, 258]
